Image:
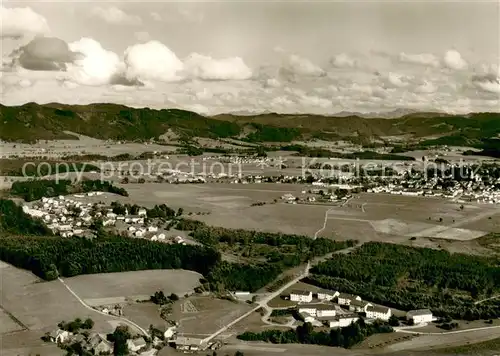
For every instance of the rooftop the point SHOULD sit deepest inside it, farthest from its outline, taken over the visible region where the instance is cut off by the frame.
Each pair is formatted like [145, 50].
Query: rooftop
[419, 312]
[300, 292]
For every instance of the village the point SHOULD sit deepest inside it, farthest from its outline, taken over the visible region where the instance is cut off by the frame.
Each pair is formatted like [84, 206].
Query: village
[72, 216]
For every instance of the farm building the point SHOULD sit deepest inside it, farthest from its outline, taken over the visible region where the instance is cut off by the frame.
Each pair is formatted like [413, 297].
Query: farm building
[325, 294]
[419, 316]
[376, 312]
[346, 299]
[301, 296]
[189, 344]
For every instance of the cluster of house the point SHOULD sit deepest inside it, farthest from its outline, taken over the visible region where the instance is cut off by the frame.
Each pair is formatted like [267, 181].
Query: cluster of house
[70, 217]
[98, 344]
[192, 344]
[474, 188]
[347, 309]
[65, 216]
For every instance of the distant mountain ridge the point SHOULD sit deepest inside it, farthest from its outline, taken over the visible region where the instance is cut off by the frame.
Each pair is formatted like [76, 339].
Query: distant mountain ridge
[31, 122]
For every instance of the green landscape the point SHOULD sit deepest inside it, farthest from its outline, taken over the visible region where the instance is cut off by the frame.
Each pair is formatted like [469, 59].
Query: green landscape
[31, 122]
[414, 278]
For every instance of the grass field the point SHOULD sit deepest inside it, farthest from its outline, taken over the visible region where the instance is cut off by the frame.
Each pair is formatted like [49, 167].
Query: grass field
[39, 306]
[211, 314]
[382, 217]
[135, 283]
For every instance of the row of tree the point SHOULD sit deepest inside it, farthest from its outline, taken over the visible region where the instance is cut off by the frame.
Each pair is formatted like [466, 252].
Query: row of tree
[49, 257]
[304, 334]
[36, 189]
[414, 278]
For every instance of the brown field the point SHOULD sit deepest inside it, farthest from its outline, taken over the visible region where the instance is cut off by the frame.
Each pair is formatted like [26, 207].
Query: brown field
[144, 314]
[133, 284]
[7, 324]
[39, 306]
[211, 315]
[396, 218]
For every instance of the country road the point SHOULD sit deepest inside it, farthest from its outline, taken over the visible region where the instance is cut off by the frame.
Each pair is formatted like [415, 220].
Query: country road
[263, 303]
[409, 331]
[127, 321]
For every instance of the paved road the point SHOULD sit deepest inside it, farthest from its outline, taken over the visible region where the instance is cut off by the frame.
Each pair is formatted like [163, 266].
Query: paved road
[486, 299]
[144, 332]
[407, 331]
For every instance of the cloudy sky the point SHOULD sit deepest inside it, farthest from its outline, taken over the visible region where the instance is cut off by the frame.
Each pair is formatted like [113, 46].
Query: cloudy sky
[233, 56]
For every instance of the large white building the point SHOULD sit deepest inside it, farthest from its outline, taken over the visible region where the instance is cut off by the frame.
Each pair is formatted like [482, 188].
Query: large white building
[376, 312]
[319, 310]
[324, 294]
[359, 306]
[341, 321]
[419, 316]
[301, 296]
[346, 299]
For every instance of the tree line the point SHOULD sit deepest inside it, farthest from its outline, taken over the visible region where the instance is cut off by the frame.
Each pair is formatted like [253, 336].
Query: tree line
[345, 337]
[413, 278]
[36, 189]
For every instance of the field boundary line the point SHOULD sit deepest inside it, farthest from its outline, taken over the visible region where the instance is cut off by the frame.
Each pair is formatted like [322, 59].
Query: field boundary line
[447, 332]
[14, 319]
[130, 322]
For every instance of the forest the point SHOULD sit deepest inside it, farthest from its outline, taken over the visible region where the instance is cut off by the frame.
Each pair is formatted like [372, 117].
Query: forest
[36, 189]
[263, 255]
[51, 256]
[413, 278]
[14, 220]
[345, 337]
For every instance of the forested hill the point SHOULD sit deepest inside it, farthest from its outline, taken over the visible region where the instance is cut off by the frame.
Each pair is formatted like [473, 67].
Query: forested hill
[32, 121]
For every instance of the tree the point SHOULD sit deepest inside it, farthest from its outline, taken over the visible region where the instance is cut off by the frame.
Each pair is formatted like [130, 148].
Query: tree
[393, 320]
[119, 338]
[88, 324]
[180, 211]
[173, 297]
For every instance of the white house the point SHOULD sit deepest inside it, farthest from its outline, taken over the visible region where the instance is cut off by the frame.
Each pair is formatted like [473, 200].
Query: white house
[178, 239]
[139, 233]
[152, 228]
[169, 332]
[142, 212]
[324, 294]
[346, 299]
[60, 336]
[341, 321]
[301, 296]
[419, 316]
[377, 312]
[359, 306]
[161, 236]
[308, 318]
[136, 344]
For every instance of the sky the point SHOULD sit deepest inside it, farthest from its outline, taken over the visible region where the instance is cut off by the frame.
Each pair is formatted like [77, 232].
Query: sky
[320, 57]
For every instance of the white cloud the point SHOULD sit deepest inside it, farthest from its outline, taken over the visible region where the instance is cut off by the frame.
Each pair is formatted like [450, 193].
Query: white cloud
[152, 61]
[97, 66]
[488, 83]
[343, 60]
[156, 16]
[302, 66]
[453, 60]
[426, 87]
[426, 59]
[114, 15]
[207, 68]
[19, 22]
[397, 80]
